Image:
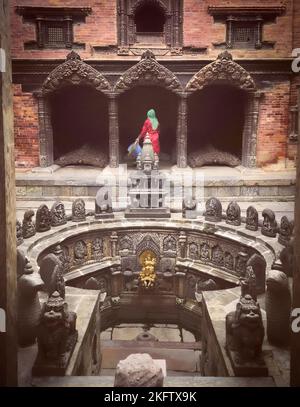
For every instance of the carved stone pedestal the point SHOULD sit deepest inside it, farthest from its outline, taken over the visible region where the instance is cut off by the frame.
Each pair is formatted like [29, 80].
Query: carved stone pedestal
[45, 367]
[247, 369]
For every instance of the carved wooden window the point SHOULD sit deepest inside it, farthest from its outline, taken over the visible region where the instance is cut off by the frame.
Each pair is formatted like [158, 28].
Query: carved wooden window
[245, 34]
[244, 24]
[54, 25]
[55, 34]
[150, 22]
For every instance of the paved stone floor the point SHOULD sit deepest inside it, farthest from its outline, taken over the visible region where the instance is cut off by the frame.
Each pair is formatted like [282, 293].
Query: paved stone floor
[43, 186]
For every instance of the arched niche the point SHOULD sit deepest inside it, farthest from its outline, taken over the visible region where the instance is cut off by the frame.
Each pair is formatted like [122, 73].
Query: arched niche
[226, 72]
[70, 74]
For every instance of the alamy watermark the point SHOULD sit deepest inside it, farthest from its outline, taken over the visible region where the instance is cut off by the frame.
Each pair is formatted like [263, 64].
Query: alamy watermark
[118, 187]
[2, 60]
[296, 61]
[295, 320]
[2, 320]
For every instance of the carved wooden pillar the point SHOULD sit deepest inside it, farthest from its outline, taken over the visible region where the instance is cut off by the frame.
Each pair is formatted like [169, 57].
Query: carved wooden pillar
[250, 130]
[177, 22]
[259, 28]
[229, 23]
[169, 33]
[45, 130]
[113, 244]
[69, 39]
[8, 272]
[122, 23]
[182, 132]
[294, 128]
[40, 40]
[295, 338]
[113, 131]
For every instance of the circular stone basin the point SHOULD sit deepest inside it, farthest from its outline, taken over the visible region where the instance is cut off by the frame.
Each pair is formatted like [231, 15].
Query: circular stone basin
[210, 251]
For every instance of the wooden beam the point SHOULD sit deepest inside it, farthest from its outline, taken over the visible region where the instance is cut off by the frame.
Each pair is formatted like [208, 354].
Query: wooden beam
[8, 279]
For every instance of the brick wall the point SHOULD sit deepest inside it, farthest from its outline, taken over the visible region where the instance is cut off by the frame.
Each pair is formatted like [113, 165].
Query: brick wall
[200, 31]
[26, 129]
[273, 124]
[198, 26]
[99, 29]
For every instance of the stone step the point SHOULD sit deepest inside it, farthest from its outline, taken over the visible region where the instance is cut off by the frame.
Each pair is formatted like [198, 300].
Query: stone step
[177, 381]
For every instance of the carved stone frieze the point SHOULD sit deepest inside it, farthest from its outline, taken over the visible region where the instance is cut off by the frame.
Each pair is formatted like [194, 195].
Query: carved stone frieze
[74, 72]
[80, 251]
[223, 69]
[148, 72]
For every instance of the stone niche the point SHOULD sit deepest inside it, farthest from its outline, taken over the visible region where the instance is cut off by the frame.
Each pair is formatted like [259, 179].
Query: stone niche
[91, 254]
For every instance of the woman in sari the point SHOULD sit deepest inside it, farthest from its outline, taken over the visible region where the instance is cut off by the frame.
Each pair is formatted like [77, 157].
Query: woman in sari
[151, 127]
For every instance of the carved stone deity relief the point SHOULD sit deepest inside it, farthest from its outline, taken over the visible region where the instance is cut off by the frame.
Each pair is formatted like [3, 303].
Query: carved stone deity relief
[269, 227]
[252, 219]
[213, 212]
[43, 219]
[28, 225]
[218, 256]
[58, 214]
[233, 214]
[194, 251]
[78, 210]
[80, 251]
[205, 252]
[169, 244]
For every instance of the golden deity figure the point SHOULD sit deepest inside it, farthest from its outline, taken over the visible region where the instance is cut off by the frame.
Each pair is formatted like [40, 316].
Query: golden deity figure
[148, 275]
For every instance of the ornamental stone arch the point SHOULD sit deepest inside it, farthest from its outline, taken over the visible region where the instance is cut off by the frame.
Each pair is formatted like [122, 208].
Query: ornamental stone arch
[222, 70]
[148, 72]
[226, 71]
[72, 72]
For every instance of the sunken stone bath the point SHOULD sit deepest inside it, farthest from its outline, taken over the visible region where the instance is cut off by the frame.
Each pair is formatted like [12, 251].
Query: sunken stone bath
[114, 271]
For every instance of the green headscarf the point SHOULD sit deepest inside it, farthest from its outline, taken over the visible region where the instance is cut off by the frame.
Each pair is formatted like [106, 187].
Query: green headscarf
[153, 119]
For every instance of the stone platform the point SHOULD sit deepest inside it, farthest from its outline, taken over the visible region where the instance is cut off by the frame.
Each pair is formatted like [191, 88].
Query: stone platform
[38, 186]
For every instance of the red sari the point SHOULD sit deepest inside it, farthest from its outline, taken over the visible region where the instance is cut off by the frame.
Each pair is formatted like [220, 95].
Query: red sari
[153, 135]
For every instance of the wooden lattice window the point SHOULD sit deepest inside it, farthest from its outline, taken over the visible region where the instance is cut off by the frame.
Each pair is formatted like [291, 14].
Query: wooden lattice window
[244, 24]
[54, 25]
[244, 34]
[56, 34]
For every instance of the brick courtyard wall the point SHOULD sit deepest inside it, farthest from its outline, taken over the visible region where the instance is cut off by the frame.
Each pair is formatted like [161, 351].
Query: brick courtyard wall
[199, 30]
[100, 28]
[26, 129]
[273, 124]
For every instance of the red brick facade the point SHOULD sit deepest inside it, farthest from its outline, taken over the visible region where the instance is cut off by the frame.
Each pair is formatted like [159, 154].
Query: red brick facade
[26, 129]
[199, 30]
